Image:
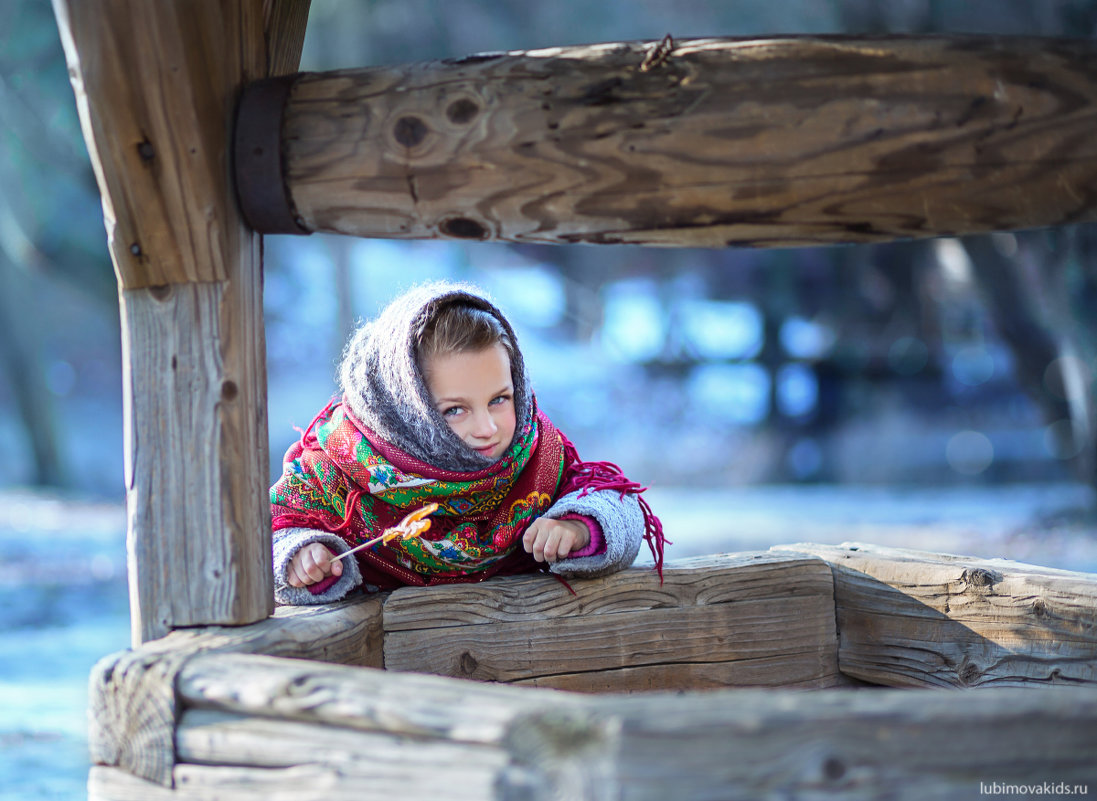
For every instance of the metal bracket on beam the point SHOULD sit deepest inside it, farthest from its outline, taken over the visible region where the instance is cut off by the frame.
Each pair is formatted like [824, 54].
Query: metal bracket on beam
[258, 165]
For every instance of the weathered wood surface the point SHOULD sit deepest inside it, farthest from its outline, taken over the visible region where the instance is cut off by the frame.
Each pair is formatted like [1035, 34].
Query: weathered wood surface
[731, 620]
[133, 704]
[361, 699]
[156, 85]
[852, 744]
[378, 764]
[781, 141]
[913, 618]
[197, 534]
[848, 744]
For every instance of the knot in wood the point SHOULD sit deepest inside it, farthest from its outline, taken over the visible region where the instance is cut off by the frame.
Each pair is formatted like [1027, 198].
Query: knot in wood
[833, 769]
[468, 663]
[410, 131]
[463, 228]
[979, 577]
[968, 672]
[462, 111]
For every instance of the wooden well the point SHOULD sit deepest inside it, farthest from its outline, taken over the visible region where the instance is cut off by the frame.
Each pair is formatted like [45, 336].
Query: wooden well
[739, 676]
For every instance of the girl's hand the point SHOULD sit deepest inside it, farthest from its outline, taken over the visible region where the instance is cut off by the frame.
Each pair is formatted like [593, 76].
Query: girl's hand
[312, 564]
[549, 540]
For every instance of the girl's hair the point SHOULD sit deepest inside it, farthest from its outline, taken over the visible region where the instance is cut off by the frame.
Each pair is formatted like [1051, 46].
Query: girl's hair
[459, 328]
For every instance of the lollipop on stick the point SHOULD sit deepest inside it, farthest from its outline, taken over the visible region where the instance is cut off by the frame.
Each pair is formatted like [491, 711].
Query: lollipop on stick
[413, 525]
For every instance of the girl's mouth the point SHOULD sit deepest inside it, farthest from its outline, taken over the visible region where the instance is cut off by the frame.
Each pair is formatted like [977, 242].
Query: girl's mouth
[487, 450]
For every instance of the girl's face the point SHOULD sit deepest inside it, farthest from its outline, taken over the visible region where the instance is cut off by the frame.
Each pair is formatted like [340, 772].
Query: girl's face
[474, 392]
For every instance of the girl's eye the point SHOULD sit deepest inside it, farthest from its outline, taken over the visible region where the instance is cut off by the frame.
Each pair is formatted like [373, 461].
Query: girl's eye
[452, 411]
[500, 399]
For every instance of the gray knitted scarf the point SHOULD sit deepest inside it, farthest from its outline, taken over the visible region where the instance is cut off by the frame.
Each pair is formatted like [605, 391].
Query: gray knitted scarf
[383, 384]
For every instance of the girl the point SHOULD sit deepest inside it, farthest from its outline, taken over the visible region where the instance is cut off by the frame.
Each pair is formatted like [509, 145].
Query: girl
[437, 407]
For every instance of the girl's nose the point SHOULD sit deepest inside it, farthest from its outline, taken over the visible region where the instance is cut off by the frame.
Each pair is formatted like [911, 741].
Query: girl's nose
[485, 425]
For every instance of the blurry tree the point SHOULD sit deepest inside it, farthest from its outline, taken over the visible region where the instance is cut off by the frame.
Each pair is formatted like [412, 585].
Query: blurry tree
[50, 219]
[1041, 290]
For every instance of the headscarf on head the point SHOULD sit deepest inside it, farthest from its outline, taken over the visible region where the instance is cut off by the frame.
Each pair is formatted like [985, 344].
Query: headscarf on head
[383, 382]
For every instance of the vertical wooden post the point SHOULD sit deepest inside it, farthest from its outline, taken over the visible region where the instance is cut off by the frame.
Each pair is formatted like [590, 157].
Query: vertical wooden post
[156, 85]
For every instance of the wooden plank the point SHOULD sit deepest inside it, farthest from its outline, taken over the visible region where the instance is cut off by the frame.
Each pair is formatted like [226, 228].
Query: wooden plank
[719, 609]
[802, 627]
[913, 618]
[783, 141]
[403, 704]
[849, 744]
[132, 698]
[378, 765]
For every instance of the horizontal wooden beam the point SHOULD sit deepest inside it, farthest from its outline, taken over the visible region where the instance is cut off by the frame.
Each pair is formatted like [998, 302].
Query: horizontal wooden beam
[854, 744]
[916, 619]
[709, 623]
[772, 142]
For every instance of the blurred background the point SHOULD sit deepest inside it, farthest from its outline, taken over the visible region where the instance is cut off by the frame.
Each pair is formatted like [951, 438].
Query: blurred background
[935, 394]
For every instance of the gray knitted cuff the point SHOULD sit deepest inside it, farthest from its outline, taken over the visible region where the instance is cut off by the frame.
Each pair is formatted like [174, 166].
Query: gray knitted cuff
[622, 523]
[287, 542]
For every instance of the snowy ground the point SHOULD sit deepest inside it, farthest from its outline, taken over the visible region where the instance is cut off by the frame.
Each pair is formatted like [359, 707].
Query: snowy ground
[63, 586]
[1051, 525]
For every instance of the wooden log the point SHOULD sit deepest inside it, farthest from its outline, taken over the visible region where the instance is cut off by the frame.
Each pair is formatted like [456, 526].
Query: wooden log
[853, 744]
[132, 698]
[913, 618]
[360, 698]
[236, 783]
[713, 620]
[379, 765]
[782, 141]
[849, 744]
[156, 85]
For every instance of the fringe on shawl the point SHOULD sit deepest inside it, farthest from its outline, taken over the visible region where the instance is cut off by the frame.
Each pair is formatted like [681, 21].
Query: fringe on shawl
[592, 476]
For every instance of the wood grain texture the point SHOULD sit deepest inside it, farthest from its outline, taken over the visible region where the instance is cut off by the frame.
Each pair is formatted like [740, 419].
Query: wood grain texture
[375, 764]
[284, 26]
[807, 670]
[782, 141]
[913, 618]
[132, 700]
[857, 744]
[849, 744]
[730, 610]
[695, 581]
[155, 86]
[401, 704]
